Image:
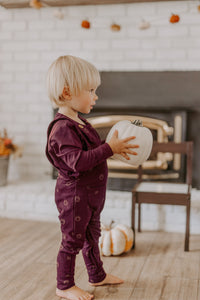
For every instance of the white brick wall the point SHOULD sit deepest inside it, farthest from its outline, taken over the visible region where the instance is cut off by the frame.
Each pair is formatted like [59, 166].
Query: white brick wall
[31, 39]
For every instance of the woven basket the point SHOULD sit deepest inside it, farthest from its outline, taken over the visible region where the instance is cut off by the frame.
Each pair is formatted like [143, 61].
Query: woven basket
[4, 160]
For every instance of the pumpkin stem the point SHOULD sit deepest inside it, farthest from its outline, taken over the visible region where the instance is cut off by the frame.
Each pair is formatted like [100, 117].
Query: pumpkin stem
[138, 123]
[110, 226]
[107, 227]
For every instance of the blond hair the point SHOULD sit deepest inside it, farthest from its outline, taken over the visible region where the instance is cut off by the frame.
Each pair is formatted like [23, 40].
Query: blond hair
[72, 72]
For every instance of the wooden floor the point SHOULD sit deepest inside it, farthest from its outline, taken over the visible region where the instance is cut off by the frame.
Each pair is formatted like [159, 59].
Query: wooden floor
[158, 268]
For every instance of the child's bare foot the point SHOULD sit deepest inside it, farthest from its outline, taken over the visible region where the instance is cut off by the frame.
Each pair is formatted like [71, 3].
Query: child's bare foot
[74, 293]
[109, 279]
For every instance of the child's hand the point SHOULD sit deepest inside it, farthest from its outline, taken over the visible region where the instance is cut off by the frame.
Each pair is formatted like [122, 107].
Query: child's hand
[121, 146]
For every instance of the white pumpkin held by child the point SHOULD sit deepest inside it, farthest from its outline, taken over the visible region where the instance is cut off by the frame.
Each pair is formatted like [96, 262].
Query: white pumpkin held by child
[143, 138]
[117, 240]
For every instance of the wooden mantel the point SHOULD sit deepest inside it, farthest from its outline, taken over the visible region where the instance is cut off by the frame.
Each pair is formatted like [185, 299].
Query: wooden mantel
[25, 3]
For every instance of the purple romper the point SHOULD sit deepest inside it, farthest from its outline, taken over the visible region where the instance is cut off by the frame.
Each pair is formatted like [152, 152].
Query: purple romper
[79, 155]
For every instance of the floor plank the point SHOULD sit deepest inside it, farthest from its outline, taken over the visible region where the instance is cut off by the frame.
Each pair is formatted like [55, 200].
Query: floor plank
[157, 263]
[180, 289]
[157, 269]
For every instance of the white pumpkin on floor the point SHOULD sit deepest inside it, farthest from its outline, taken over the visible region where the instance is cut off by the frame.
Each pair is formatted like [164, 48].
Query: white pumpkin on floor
[117, 240]
[143, 138]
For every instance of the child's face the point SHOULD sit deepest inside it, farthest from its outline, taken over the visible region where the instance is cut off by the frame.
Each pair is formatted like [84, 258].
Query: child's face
[85, 101]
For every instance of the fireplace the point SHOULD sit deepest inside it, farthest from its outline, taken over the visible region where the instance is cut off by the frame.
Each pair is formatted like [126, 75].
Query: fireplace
[171, 97]
[165, 126]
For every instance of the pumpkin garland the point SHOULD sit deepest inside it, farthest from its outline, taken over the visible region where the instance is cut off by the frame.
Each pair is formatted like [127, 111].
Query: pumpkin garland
[37, 4]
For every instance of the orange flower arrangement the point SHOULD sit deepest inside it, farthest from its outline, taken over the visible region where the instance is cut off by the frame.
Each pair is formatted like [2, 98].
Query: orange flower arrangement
[7, 147]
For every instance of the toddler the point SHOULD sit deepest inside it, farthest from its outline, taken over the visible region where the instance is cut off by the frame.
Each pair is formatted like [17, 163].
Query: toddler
[74, 148]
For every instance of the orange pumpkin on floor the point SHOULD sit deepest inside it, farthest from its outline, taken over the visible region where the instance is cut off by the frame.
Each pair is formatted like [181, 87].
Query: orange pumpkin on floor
[117, 240]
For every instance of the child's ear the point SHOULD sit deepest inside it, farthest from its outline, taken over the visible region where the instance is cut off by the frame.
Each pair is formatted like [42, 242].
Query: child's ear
[66, 93]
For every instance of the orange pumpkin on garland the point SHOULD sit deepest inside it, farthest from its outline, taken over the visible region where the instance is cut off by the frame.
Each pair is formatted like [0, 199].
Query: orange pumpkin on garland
[35, 4]
[115, 27]
[85, 24]
[174, 18]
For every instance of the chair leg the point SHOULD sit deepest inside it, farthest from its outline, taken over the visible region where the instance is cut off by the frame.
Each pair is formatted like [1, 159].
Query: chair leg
[139, 217]
[187, 230]
[133, 216]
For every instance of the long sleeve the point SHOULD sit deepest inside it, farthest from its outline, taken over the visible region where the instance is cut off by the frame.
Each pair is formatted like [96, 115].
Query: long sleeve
[68, 147]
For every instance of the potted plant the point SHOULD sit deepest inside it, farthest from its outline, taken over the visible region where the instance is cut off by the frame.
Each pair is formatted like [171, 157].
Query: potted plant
[6, 149]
